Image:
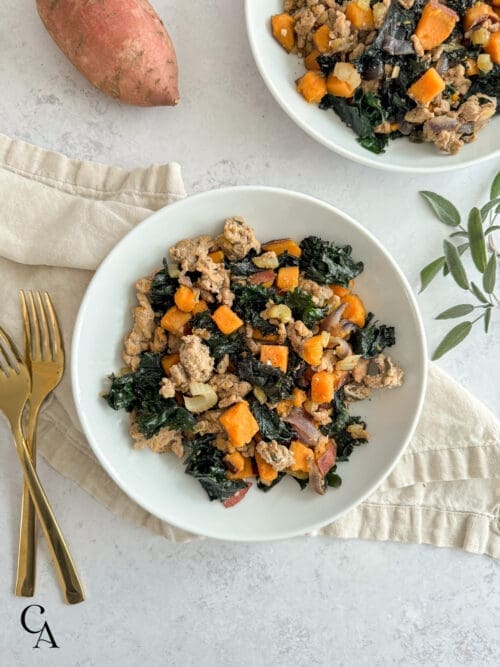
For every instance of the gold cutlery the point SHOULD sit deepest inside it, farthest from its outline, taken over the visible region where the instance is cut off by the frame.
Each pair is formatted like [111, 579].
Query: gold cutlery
[15, 389]
[44, 356]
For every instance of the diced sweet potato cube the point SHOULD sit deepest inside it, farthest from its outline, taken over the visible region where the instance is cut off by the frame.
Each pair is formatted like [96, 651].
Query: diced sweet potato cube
[217, 256]
[280, 246]
[493, 47]
[246, 471]
[168, 361]
[299, 397]
[239, 424]
[360, 16]
[302, 456]
[312, 86]
[321, 38]
[199, 307]
[322, 387]
[341, 291]
[175, 320]
[227, 320]
[267, 474]
[185, 298]
[339, 88]
[355, 310]
[312, 350]
[275, 355]
[311, 61]
[288, 278]
[283, 30]
[427, 87]
[235, 462]
[477, 14]
[435, 25]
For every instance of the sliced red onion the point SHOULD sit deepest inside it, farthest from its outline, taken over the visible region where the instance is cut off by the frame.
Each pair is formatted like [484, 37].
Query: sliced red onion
[304, 427]
[236, 497]
[333, 318]
[316, 479]
[442, 124]
[348, 327]
[327, 460]
[340, 346]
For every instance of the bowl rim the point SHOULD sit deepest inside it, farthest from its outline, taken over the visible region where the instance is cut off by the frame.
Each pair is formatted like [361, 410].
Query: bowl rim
[208, 194]
[345, 152]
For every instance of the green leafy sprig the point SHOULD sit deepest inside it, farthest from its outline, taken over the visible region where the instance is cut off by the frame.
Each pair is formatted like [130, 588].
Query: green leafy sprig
[477, 239]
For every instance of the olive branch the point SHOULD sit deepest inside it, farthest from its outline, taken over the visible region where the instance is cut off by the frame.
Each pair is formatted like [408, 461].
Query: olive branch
[477, 239]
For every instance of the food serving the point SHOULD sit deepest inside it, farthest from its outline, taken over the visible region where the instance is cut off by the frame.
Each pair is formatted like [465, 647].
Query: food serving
[421, 69]
[246, 356]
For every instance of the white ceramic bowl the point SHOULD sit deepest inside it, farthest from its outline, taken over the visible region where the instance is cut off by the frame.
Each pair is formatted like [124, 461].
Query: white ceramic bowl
[157, 482]
[280, 71]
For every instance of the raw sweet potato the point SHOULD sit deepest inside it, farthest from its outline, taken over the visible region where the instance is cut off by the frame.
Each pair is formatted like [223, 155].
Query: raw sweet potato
[227, 320]
[275, 355]
[425, 89]
[120, 46]
[283, 30]
[435, 25]
[239, 424]
[279, 246]
[312, 86]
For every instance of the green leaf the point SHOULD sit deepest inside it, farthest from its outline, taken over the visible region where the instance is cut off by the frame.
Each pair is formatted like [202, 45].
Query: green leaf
[495, 187]
[444, 209]
[460, 249]
[493, 228]
[455, 265]
[452, 339]
[463, 234]
[456, 311]
[487, 207]
[477, 293]
[487, 320]
[476, 239]
[490, 275]
[430, 271]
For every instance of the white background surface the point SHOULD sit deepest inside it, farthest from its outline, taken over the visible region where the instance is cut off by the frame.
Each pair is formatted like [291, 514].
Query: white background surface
[303, 602]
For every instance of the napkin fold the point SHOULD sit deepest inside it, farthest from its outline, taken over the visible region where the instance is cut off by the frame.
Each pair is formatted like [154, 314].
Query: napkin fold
[60, 218]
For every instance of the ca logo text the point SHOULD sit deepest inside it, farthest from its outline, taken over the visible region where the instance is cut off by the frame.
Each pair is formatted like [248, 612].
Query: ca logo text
[44, 633]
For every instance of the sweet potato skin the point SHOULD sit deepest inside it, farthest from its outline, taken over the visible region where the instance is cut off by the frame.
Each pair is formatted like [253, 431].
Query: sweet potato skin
[120, 46]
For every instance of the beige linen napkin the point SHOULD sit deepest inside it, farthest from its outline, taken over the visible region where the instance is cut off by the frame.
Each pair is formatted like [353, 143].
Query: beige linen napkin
[59, 219]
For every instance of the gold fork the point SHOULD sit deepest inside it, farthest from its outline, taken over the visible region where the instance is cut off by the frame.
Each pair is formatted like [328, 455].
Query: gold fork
[15, 388]
[44, 356]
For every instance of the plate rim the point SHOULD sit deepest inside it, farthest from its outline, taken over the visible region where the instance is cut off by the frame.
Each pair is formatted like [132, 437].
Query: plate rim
[367, 161]
[77, 333]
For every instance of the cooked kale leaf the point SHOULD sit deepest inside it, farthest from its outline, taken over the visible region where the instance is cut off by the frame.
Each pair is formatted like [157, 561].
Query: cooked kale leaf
[327, 62]
[362, 113]
[301, 482]
[250, 301]
[162, 290]
[327, 263]
[271, 426]
[285, 259]
[372, 339]
[303, 307]
[218, 343]
[268, 487]
[332, 479]
[243, 267]
[206, 464]
[487, 84]
[338, 428]
[140, 391]
[274, 382]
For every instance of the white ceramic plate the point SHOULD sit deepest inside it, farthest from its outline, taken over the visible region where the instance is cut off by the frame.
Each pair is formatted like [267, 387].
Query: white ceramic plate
[280, 70]
[157, 482]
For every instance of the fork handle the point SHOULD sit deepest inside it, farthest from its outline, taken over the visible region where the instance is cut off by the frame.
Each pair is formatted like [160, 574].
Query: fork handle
[26, 556]
[65, 567]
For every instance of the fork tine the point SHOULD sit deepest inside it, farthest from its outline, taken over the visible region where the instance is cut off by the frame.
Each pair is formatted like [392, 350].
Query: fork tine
[26, 326]
[10, 351]
[47, 352]
[54, 325]
[35, 327]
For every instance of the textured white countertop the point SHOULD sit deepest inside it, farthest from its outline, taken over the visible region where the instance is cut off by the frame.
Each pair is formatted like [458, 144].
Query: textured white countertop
[303, 601]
